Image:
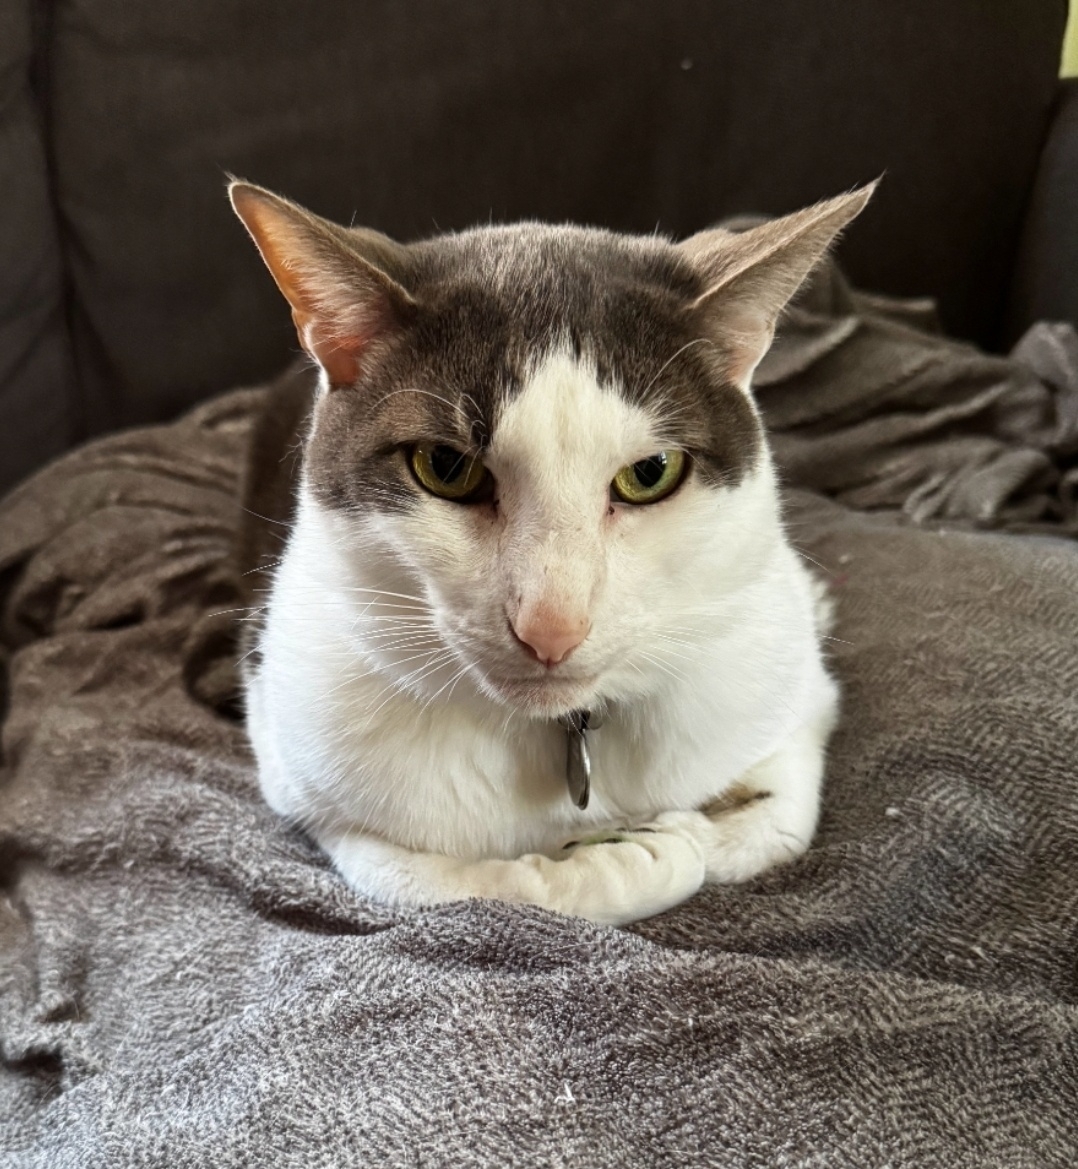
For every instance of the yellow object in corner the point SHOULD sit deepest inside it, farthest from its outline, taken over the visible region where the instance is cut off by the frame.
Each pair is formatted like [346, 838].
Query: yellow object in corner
[1069, 67]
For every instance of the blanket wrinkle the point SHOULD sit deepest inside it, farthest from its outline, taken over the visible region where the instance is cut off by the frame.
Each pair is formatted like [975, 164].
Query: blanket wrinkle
[185, 982]
[868, 404]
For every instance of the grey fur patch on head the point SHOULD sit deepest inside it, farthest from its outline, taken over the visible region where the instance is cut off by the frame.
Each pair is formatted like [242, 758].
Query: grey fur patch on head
[490, 303]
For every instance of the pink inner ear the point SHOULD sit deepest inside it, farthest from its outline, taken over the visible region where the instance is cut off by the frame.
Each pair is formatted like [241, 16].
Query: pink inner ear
[338, 353]
[745, 335]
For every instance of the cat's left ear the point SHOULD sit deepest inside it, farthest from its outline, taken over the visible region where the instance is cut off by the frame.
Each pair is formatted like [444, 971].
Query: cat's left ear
[750, 276]
[339, 281]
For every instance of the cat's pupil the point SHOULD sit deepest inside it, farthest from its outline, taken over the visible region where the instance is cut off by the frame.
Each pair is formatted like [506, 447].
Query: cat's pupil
[648, 472]
[447, 463]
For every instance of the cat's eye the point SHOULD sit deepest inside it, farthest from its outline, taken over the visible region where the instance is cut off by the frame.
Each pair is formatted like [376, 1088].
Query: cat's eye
[650, 479]
[448, 473]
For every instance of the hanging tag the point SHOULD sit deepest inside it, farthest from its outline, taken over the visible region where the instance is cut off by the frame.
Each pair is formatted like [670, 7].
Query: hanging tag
[577, 756]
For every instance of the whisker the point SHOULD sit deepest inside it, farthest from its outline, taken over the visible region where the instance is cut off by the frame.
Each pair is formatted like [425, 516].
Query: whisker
[268, 520]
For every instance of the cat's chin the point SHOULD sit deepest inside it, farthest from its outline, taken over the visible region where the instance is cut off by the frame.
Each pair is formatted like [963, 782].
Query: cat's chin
[543, 697]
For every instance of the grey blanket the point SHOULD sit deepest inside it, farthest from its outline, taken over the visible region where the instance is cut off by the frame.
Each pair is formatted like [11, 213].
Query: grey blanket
[184, 982]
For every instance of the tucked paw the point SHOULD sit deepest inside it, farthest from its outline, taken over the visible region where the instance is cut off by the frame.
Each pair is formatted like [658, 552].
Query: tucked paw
[739, 842]
[624, 874]
[694, 826]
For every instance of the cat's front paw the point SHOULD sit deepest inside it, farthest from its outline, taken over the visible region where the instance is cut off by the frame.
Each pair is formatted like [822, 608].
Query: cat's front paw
[619, 875]
[738, 842]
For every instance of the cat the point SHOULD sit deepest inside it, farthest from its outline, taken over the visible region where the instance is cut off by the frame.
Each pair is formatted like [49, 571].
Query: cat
[536, 526]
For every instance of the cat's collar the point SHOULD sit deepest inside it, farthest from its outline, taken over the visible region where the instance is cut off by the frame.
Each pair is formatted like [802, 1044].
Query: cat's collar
[577, 724]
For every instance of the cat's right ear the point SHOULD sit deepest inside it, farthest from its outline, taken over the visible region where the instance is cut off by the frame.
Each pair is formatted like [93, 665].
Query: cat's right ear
[337, 280]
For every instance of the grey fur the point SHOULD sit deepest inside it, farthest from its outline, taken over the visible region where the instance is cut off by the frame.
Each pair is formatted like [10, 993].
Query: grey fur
[465, 317]
[491, 303]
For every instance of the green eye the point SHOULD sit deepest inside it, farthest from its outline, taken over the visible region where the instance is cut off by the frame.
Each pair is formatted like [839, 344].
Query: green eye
[448, 473]
[650, 479]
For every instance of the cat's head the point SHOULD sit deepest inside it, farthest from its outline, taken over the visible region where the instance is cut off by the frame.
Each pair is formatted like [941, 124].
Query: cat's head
[546, 434]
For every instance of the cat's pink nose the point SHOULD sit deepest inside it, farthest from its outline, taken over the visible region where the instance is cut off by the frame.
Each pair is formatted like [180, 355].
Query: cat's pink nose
[548, 635]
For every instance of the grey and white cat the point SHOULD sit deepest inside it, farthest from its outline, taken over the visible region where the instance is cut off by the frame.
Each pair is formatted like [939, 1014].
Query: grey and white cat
[534, 484]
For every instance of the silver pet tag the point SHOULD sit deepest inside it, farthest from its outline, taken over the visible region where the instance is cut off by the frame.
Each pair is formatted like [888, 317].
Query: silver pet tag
[577, 757]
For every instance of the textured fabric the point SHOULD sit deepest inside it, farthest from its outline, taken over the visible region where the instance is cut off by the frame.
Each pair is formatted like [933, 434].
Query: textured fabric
[38, 408]
[418, 115]
[867, 403]
[184, 982]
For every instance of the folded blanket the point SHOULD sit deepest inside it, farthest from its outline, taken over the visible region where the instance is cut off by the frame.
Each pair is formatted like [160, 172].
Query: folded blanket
[184, 981]
[869, 405]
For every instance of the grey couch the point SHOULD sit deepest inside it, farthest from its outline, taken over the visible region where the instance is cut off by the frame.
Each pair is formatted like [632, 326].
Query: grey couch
[127, 292]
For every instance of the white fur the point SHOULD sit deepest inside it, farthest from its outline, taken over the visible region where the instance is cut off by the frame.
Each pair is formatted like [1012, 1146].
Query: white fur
[395, 715]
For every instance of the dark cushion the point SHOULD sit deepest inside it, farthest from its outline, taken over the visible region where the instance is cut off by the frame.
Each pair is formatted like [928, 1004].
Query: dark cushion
[419, 115]
[1045, 284]
[37, 397]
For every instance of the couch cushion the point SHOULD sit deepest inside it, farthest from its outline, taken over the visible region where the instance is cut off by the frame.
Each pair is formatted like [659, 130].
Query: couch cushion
[1045, 285]
[36, 386]
[412, 116]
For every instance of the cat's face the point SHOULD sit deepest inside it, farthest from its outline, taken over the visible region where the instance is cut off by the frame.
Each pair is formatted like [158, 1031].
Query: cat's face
[547, 435]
